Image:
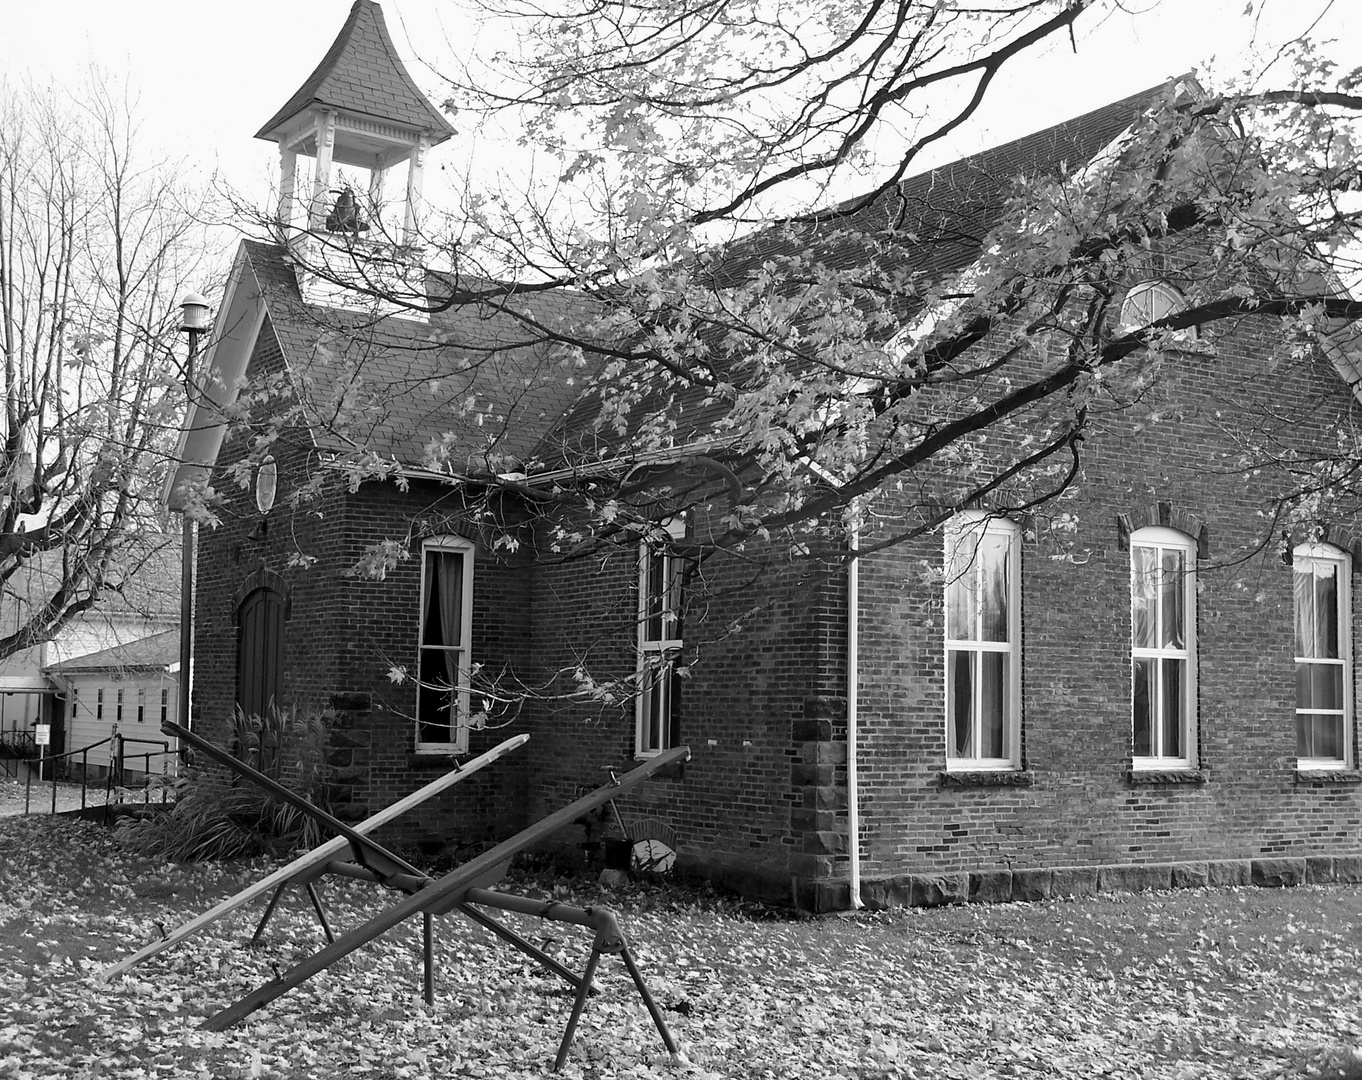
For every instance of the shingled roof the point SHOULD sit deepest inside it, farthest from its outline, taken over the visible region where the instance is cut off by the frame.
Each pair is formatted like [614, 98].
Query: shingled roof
[934, 223]
[361, 73]
[156, 651]
[473, 378]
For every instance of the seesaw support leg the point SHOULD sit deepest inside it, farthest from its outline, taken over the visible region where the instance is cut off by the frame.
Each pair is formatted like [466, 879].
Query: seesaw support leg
[648, 1001]
[428, 957]
[579, 1003]
[269, 910]
[321, 912]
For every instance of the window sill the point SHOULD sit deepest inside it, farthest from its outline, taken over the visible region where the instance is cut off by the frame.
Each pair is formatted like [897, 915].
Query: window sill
[1167, 776]
[975, 778]
[1328, 776]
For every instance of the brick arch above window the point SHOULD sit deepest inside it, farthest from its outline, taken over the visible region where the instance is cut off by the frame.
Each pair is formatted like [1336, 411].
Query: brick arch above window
[1167, 516]
[1339, 536]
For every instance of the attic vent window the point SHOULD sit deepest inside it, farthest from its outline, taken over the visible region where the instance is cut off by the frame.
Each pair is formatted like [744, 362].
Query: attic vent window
[1150, 301]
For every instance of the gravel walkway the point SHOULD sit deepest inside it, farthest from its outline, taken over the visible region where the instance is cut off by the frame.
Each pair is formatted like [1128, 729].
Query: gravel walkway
[40, 796]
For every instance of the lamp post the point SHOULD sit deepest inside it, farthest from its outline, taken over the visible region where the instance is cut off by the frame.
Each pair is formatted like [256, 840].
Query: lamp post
[194, 322]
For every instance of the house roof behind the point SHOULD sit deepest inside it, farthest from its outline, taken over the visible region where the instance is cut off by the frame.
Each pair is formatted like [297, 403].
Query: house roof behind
[362, 73]
[148, 653]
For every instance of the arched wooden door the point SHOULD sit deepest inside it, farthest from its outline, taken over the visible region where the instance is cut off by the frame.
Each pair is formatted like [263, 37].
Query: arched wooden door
[260, 617]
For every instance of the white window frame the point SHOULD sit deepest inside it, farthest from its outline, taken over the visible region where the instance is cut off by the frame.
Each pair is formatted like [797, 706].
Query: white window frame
[1307, 555]
[657, 656]
[1161, 539]
[99, 704]
[958, 530]
[141, 704]
[1158, 300]
[458, 744]
[118, 708]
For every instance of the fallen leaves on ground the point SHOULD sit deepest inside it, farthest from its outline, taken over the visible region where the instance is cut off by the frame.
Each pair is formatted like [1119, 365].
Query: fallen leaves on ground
[1173, 986]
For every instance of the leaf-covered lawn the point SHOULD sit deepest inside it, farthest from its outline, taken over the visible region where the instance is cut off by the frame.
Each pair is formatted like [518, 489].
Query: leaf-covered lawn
[1207, 983]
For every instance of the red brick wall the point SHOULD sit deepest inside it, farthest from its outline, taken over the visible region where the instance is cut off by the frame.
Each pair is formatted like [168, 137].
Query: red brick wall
[764, 709]
[1179, 448]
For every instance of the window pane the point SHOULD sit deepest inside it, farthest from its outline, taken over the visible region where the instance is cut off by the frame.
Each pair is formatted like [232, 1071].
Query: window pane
[992, 560]
[1319, 736]
[1144, 698]
[443, 606]
[992, 684]
[1317, 614]
[1319, 686]
[1303, 581]
[960, 585]
[654, 602]
[960, 703]
[1171, 725]
[1142, 598]
[433, 712]
[1172, 586]
[1326, 610]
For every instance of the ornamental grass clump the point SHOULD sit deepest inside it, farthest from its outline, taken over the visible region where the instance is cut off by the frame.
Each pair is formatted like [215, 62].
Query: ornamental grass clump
[219, 816]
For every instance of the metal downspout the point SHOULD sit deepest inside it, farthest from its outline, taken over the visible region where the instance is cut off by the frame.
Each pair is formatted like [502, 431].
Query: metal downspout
[853, 672]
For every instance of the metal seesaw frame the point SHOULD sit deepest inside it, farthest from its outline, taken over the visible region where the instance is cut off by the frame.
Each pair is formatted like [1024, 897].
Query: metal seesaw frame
[307, 867]
[458, 890]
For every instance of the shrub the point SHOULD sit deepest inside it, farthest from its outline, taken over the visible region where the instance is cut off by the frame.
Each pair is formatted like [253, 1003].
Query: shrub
[228, 817]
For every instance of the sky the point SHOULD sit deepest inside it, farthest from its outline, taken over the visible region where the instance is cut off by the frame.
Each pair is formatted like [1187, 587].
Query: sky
[209, 75]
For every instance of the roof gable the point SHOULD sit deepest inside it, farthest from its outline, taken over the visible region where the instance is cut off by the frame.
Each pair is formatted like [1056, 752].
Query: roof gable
[361, 73]
[470, 393]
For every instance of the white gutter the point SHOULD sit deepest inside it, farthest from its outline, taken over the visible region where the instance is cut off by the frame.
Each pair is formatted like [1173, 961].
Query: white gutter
[853, 679]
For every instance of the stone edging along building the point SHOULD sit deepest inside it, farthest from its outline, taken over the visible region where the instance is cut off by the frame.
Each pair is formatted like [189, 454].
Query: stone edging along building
[1146, 697]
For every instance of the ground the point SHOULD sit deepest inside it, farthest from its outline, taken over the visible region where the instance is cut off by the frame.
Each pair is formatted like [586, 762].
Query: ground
[1165, 986]
[17, 797]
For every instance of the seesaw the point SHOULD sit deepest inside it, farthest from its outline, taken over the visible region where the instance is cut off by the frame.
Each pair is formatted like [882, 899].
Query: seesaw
[302, 870]
[458, 890]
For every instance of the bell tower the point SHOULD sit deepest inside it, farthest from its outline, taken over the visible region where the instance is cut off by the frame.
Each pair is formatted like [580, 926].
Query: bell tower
[355, 121]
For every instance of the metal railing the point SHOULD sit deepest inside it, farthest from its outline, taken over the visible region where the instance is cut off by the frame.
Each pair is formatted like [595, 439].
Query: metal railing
[16, 747]
[117, 770]
[84, 753]
[164, 753]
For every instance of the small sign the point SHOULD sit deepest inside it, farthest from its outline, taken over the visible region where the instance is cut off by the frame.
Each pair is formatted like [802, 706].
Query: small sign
[42, 734]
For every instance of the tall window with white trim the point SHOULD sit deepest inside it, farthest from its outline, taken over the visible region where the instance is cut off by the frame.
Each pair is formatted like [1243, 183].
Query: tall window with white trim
[444, 662]
[1323, 655]
[1163, 648]
[657, 708]
[983, 643]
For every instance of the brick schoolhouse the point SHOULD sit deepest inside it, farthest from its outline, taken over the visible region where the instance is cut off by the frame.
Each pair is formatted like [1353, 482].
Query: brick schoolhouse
[1150, 697]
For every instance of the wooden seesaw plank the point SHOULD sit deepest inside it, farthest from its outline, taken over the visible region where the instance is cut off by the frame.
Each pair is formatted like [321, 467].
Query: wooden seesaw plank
[318, 855]
[443, 893]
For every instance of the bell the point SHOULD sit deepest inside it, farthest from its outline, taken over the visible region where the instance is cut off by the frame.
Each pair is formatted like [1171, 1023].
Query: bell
[344, 216]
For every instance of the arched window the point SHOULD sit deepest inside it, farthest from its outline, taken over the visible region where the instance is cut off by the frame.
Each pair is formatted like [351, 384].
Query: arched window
[1323, 649]
[444, 655]
[661, 605]
[983, 643]
[1150, 301]
[1163, 648]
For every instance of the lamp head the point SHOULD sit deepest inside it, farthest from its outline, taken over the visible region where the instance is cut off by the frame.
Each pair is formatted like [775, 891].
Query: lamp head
[194, 313]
